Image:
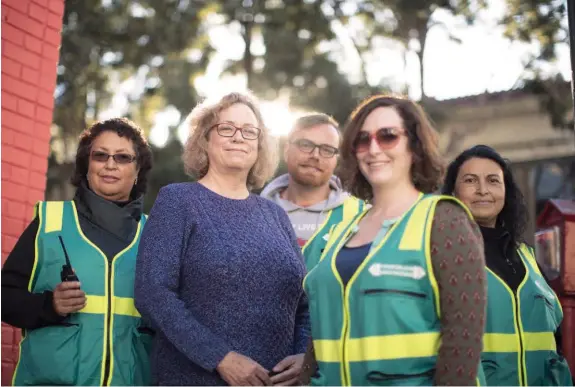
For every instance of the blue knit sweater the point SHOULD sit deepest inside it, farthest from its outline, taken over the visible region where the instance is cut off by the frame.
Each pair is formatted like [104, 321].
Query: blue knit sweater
[216, 275]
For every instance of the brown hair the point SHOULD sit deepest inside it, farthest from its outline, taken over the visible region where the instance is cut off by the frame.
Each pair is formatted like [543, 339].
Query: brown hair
[428, 166]
[310, 120]
[123, 128]
[204, 116]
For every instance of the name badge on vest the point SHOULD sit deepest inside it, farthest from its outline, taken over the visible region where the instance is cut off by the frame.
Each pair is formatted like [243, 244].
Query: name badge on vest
[379, 269]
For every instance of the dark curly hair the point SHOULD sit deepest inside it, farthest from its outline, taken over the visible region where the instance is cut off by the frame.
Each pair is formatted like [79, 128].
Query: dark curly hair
[513, 216]
[123, 128]
[428, 166]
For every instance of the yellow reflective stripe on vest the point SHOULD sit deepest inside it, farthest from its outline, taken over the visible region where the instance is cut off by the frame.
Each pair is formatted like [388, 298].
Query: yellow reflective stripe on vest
[507, 342]
[413, 240]
[529, 255]
[530, 258]
[350, 208]
[373, 348]
[54, 214]
[120, 305]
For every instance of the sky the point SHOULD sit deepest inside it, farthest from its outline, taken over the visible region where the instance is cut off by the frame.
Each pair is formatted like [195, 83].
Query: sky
[484, 61]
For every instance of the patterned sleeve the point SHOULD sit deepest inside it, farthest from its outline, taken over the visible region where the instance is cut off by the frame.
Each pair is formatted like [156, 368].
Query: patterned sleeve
[457, 254]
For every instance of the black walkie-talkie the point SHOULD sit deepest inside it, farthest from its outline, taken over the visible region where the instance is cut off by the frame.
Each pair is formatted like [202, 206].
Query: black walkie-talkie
[67, 274]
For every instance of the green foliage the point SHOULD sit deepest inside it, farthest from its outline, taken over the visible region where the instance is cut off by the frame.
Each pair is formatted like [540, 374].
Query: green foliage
[554, 98]
[543, 22]
[540, 21]
[168, 168]
[164, 45]
[107, 42]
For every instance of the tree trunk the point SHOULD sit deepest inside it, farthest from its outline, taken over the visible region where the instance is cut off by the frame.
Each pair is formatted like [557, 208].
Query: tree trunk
[248, 60]
[422, 36]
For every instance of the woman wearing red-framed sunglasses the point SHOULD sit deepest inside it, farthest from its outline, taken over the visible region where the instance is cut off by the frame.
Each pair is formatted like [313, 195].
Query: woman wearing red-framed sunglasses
[398, 295]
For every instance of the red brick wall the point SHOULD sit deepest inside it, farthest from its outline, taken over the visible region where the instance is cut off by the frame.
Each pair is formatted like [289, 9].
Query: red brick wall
[30, 49]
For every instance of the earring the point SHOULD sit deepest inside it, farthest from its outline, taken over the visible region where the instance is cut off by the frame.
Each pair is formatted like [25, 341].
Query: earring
[136, 181]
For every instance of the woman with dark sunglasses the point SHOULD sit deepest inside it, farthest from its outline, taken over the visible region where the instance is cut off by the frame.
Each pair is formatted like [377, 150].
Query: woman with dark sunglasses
[398, 296]
[68, 283]
[522, 342]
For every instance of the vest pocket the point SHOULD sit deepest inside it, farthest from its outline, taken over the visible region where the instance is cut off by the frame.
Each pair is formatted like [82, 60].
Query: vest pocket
[490, 369]
[142, 341]
[557, 371]
[395, 291]
[377, 378]
[545, 309]
[50, 356]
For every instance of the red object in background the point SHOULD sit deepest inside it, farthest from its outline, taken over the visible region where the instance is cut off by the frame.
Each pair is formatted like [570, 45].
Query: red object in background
[301, 242]
[30, 51]
[555, 248]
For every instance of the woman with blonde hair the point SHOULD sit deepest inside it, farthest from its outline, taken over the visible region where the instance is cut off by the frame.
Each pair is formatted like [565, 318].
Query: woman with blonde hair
[398, 295]
[219, 271]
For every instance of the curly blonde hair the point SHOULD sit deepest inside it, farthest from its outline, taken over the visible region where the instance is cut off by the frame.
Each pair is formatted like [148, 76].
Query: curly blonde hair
[204, 116]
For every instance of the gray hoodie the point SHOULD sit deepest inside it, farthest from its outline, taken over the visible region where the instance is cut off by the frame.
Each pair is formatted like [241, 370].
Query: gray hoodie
[305, 220]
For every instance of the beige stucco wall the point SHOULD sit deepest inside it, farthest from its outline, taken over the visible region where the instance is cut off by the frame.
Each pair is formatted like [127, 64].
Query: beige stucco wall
[515, 126]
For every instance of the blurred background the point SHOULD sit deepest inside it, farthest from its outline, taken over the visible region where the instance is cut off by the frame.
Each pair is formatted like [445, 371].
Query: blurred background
[495, 72]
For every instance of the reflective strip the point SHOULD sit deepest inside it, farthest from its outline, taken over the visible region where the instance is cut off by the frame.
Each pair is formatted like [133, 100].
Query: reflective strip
[120, 305]
[327, 351]
[529, 255]
[54, 213]
[94, 305]
[413, 240]
[125, 306]
[379, 347]
[508, 342]
[350, 208]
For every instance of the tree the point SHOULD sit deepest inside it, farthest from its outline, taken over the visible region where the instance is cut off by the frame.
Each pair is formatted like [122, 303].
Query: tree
[300, 56]
[105, 43]
[543, 22]
[168, 168]
[409, 21]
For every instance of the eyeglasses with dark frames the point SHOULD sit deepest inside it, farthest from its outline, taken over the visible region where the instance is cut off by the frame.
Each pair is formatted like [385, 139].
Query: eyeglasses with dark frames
[225, 129]
[307, 146]
[119, 158]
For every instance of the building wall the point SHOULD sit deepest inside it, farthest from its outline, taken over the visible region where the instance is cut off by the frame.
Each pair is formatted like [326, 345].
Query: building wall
[515, 125]
[30, 49]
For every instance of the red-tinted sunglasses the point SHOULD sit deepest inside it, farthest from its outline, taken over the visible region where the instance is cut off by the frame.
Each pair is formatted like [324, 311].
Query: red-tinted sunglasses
[386, 138]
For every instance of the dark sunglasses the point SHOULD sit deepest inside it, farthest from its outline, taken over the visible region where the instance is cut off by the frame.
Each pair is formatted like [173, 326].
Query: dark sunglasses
[307, 146]
[386, 138]
[229, 130]
[119, 158]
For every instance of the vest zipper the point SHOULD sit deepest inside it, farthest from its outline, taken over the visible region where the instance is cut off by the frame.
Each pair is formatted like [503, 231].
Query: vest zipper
[521, 353]
[344, 340]
[107, 375]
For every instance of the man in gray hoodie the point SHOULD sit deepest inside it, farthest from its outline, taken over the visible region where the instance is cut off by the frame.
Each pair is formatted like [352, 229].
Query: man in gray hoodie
[310, 194]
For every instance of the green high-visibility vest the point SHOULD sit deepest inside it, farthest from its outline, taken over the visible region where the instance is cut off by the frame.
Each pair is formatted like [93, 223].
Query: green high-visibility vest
[102, 344]
[315, 245]
[383, 328]
[519, 343]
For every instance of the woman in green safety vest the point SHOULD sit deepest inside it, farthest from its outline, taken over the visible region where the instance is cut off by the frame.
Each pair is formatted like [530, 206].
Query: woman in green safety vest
[69, 281]
[398, 295]
[522, 342]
